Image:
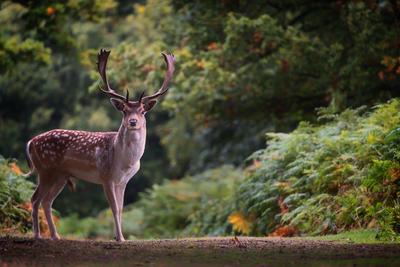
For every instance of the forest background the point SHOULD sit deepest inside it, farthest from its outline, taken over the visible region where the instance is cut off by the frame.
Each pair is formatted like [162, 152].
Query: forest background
[316, 80]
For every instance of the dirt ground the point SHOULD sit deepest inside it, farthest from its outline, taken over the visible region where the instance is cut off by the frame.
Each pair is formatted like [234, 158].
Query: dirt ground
[215, 252]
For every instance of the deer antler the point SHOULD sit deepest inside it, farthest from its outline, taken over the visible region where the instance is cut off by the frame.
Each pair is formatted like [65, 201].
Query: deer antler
[140, 97]
[102, 58]
[169, 59]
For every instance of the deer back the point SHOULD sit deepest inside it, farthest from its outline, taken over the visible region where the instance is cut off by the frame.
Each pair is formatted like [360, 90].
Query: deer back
[85, 155]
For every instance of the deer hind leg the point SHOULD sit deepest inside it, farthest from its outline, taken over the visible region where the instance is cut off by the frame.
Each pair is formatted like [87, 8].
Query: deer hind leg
[42, 188]
[47, 203]
[35, 210]
[110, 191]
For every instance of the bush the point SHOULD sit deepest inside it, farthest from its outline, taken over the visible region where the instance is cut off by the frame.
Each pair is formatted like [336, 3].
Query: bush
[15, 192]
[341, 175]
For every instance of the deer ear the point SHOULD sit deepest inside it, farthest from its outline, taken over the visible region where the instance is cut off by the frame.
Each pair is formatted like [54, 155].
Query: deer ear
[150, 104]
[118, 104]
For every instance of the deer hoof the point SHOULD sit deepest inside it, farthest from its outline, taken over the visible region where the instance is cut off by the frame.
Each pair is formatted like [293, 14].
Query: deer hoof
[37, 236]
[55, 237]
[120, 239]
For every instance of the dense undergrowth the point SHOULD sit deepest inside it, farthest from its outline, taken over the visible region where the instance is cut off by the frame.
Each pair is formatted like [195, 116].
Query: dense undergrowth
[15, 205]
[340, 175]
[15, 190]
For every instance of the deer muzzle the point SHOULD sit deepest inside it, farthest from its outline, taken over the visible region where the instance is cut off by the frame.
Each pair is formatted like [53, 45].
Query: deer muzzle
[133, 122]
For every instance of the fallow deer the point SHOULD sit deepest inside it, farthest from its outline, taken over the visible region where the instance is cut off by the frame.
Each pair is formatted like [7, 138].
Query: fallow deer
[106, 158]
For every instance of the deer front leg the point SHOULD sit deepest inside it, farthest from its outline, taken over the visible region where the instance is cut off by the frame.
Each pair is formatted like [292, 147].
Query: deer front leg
[120, 192]
[110, 191]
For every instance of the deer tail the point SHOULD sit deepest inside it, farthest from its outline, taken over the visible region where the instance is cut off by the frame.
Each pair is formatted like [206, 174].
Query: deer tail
[70, 182]
[29, 160]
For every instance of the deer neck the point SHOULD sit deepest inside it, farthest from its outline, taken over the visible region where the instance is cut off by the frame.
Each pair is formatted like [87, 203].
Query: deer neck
[129, 145]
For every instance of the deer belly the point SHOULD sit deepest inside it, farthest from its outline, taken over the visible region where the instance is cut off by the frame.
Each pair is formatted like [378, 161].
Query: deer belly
[89, 176]
[82, 170]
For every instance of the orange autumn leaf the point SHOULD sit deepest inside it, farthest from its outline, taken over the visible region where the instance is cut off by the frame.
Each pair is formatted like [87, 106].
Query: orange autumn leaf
[284, 231]
[394, 174]
[15, 169]
[212, 46]
[388, 62]
[381, 75]
[240, 222]
[257, 163]
[50, 11]
[257, 37]
[200, 64]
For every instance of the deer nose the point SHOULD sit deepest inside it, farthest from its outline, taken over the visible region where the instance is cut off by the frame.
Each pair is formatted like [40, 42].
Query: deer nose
[133, 122]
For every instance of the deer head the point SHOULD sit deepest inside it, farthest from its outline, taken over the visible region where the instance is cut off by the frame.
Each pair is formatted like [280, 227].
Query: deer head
[133, 111]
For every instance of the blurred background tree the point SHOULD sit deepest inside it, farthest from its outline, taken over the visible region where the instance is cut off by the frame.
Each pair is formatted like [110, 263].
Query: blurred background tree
[242, 70]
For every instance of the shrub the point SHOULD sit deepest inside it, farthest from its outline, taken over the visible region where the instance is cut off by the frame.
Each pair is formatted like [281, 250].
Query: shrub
[15, 192]
[327, 178]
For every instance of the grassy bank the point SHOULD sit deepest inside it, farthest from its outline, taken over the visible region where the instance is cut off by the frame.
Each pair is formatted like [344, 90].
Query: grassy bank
[363, 236]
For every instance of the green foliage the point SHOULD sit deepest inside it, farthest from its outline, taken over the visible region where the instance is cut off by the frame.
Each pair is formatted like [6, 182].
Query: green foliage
[247, 69]
[329, 178]
[364, 236]
[15, 191]
[13, 49]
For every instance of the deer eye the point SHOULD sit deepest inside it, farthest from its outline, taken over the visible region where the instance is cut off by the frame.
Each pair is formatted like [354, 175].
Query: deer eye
[143, 112]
